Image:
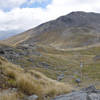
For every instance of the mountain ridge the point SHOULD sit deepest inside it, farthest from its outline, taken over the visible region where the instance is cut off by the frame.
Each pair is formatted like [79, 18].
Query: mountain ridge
[76, 29]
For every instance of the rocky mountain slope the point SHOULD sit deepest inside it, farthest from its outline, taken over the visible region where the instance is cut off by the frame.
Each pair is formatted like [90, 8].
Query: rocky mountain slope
[66, 49]
[76, 29]
[41, 48]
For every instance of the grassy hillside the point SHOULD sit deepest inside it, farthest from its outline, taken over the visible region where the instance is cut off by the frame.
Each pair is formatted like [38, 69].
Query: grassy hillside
[64, 48]
[54, 62]
[59, 38]
[28, 82]
[15, 40]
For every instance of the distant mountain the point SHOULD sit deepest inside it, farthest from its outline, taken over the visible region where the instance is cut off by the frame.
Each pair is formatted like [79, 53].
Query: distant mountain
[7, 34]
[76, 29]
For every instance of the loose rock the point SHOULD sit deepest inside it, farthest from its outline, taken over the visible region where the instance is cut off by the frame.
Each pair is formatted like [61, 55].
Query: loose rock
[32, 97]
[89, 93]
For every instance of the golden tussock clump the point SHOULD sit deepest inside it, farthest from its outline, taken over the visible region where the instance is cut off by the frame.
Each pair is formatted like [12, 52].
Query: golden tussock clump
[33, 82]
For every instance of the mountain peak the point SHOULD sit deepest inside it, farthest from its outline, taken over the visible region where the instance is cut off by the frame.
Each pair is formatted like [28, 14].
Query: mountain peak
[77, 12]
[81, 13]
[80, 18]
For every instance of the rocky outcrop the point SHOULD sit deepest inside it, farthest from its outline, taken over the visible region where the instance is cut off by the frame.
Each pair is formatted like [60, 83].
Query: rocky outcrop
[13, 54]
[90, 93]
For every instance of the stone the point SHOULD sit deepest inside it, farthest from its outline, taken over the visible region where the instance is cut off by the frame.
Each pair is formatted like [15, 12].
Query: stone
[14, 89]
[93, 96]
[2, 52]
[44, 64]
[89, 93]
[30, 60]
[32, 97]
[73, 96]
[78, 80]
[60, 77]
[89, 89]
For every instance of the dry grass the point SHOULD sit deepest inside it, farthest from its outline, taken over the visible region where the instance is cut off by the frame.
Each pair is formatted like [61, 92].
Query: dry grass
[33, 82]
[8, 96]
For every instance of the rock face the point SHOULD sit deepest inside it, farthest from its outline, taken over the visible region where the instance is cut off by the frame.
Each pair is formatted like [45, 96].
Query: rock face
[17, 53]
[89, 93]
[9, 52]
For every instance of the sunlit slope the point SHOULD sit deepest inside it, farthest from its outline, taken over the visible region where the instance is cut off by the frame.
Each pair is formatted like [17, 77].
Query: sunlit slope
[77, 29]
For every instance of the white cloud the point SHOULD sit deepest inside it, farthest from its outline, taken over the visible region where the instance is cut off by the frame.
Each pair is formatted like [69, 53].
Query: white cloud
[20, 19]
[58, 8]
[25, 18]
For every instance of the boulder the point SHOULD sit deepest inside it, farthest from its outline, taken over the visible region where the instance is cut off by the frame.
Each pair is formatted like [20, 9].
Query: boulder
[32, 97]
[30, 60]
[60, 77]
[90, 89]
[73, 96]
[2, 52]
[89, 93]
[93, 96]
[78, 80]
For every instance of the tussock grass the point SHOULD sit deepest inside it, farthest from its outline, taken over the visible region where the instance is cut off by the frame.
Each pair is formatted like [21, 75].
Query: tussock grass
[33, 82]
[8, 96]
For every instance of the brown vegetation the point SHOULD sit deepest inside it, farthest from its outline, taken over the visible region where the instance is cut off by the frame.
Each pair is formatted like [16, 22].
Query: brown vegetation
[32, 82]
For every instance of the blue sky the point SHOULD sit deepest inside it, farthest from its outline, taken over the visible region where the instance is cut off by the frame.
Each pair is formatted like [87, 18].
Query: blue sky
[29, 4]
[20, 15]
[36, 4]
